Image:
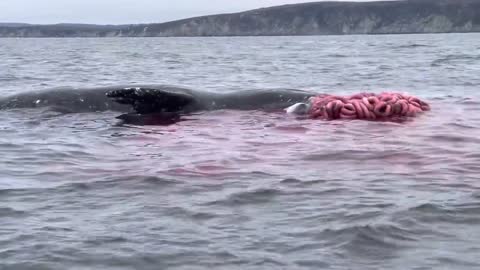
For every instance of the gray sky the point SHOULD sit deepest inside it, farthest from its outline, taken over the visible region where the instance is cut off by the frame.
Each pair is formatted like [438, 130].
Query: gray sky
[121, 11]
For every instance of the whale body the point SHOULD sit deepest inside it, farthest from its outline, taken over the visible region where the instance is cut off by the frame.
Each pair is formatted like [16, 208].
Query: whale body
[146, 99]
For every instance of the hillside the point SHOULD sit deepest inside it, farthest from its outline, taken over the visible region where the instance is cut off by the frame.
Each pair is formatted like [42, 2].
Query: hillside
[316, 18]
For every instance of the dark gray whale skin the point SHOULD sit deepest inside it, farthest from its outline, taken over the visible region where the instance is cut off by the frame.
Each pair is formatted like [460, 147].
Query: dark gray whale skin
[148, 99]
[65, 99]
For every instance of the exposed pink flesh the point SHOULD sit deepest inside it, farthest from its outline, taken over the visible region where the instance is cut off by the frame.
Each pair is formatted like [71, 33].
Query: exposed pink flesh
[367, 106]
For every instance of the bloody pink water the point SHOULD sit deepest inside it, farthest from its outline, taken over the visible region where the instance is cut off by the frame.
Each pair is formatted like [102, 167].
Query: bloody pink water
[226, 142]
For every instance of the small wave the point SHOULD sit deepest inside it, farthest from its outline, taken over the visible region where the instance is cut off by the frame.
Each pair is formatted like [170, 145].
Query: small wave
[106, 240]
[9, 212]
[171, 258]
[264, 262]
[371, 240]
[468, 213]
[455, 262]
[454, 138]
[292, 128]
[16, 191]
[159, 181]
[293, 182]
[141, 180]
[56, 229]
[337, 55]
[361, 155]
[428, 208]
[258, 196]
[317, 264]
[131, 182]
[5, 146]
[181, 212]
[469, 101]
[8, 78]
[385, 67]
[461, 125]
[453, 58]
[454, 100]
[13, 78]
[414, 45]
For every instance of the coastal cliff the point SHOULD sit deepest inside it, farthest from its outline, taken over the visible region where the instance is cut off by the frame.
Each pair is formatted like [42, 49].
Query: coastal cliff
[316, 18]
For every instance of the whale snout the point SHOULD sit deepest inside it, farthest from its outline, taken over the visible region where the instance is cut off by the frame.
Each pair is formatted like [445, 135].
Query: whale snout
[298, 109]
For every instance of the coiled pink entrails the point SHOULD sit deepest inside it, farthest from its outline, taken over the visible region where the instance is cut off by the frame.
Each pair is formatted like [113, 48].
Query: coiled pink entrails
[366, 106]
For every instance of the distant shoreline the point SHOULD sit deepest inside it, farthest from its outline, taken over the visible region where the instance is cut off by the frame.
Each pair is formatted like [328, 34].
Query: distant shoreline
[307, 19]
[258, 36]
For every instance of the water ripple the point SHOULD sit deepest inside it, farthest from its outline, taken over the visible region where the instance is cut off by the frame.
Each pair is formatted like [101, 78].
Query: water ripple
[243, 190]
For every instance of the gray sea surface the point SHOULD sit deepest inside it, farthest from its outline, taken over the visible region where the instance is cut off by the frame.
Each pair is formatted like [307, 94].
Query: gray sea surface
[243, 190]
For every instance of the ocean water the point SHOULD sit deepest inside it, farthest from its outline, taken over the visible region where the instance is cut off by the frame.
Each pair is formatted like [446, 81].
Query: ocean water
[243, 190]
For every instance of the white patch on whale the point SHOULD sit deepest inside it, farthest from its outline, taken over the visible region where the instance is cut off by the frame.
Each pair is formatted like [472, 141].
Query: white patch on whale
[298, 109]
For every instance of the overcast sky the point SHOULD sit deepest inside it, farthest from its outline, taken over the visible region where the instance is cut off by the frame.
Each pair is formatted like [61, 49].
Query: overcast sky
[122, 11]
